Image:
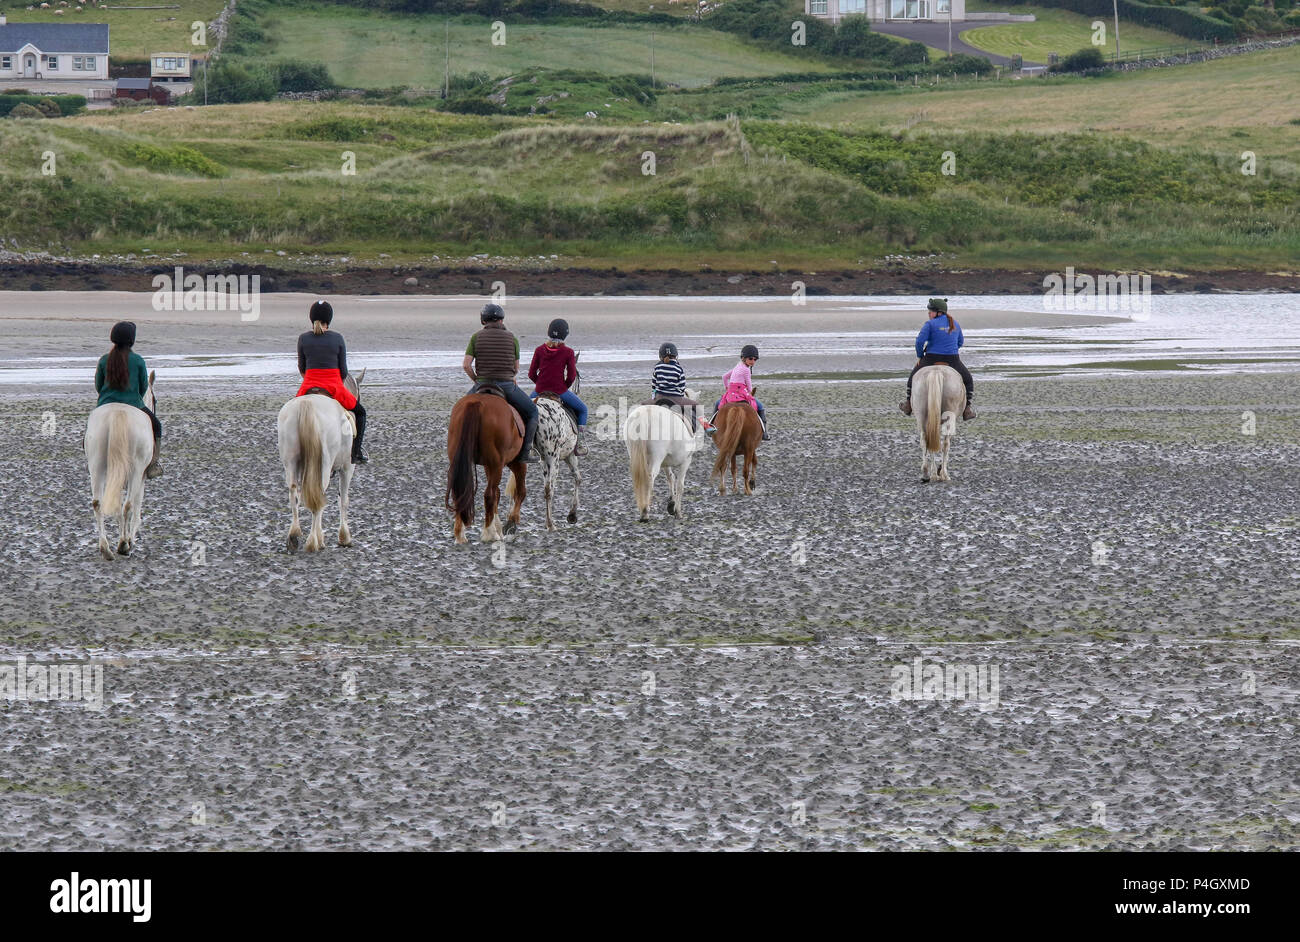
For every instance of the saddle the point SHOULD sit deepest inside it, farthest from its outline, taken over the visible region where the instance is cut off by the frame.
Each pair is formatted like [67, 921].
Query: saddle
[352, 419]
[491, 389]
[573, 416]
[687, 407]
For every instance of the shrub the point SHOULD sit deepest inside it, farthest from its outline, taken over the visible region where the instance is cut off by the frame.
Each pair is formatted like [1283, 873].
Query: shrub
[1081, 61]
[1180, 20]
[49, 107]
[24, 110]
[296, 76]
[177, 159]
[232, 80]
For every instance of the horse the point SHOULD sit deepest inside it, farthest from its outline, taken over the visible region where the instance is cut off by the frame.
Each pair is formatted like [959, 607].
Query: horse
[739, 432]
[482, 431]
[315, 435]
[657, 437]
[119, 446]
[555, 440]
[939, 397]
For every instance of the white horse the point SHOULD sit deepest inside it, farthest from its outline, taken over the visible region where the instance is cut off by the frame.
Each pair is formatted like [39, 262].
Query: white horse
[119, 446]
[316, 444]
[555, 440]
[939, 397]
[658, 437]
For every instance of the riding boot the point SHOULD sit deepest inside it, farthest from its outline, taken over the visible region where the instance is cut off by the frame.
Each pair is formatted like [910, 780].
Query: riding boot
[155, 469]
[526, 453]
[709, 427]
[968, 413]
[579, 448]
[906, 404]
[359, 456]
[762, 420]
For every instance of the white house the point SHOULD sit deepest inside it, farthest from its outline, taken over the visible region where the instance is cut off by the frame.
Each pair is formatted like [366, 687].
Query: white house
[49, 52]
[880, 11]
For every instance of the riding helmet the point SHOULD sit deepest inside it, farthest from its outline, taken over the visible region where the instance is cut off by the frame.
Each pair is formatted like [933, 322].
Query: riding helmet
[559, 329]
[123, 334]
[322, 311]
[492, 312]
[668, 350]
[938, 304]
[748, 350]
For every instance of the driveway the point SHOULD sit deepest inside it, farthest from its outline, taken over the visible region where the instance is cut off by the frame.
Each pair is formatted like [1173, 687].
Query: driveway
[936, 35]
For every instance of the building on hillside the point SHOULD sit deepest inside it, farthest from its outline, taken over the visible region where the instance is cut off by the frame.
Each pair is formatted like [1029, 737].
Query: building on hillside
[881, 11]
[72, 52]
[171, 67]
[141, 89]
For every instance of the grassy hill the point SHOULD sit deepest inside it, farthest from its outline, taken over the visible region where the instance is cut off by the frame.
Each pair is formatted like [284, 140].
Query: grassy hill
[133, 34]
[214, 182]
[1061, 31]
[365, 49]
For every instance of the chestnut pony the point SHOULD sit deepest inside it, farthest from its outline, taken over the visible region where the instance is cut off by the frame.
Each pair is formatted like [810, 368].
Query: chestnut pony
[482, 431]
[739, 432]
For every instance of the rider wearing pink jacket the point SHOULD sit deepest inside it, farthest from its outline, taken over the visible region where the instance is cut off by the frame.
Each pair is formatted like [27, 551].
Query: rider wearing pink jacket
[739, 384]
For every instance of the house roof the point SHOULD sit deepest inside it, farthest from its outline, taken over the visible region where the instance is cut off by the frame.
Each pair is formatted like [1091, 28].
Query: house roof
[55, 37]
[143, 83]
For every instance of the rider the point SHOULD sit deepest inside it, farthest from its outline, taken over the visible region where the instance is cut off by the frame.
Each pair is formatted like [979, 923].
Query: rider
[493, 357]
[668, 380]
[938, 343]
[739, 383]
[122, 377]
[323, 363]
[553, 370]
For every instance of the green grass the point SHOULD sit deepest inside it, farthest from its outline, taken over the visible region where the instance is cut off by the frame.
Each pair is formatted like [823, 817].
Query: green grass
[1063, 32]
[372, 50]
[134, 34]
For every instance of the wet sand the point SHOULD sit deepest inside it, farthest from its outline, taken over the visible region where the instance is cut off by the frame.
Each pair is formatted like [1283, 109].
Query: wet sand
[1117, 548]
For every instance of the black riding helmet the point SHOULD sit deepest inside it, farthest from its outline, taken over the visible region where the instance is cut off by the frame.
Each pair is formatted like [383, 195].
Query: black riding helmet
[668, 350]
[123, 334]
[492, 312]
[322, 311]
[559, 329]
[749, 350]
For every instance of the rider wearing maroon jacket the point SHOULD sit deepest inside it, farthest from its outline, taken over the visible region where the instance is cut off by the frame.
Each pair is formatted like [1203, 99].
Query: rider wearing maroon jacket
[554, 369]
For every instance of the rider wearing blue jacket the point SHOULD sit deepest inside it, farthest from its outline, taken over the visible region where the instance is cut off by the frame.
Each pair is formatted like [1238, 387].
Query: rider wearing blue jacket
[938, 342]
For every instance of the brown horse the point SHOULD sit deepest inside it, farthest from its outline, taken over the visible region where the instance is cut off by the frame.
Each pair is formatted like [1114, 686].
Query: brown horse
[739, 432]
[482, 431]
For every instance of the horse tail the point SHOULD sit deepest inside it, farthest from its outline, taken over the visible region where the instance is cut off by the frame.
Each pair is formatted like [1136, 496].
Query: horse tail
[638, 462]
[933, 406]
[310, 459]
[119, 462]
[462, 482]
[727, 438]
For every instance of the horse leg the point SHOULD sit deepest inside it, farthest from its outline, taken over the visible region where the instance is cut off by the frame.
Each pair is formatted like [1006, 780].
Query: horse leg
[748, 469]
[943, 459]
[548, 479]
[672, 491]
[577, 479]
[137, 507]
[491, 531]
[97, 482]
[519, 469]
[295, 531]
[925, 462]
[345, 480]
[123, 524]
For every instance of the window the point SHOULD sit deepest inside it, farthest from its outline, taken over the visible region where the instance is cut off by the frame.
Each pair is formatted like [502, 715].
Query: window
[91, 66]
[53, 64]
[851, 7]
[158, 63]
[897, 9]
[943, 6]
[6, 62]
[817, 7]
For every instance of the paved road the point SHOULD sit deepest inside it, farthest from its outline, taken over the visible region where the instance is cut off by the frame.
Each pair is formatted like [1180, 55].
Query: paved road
[936, 35]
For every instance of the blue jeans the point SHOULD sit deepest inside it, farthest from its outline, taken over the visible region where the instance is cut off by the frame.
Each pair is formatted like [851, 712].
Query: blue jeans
[570, 399]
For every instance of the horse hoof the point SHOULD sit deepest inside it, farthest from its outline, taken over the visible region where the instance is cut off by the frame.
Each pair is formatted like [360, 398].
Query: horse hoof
[572, 517]
[106, 552]
[511, 527]
[292, 542]
[123, 549]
